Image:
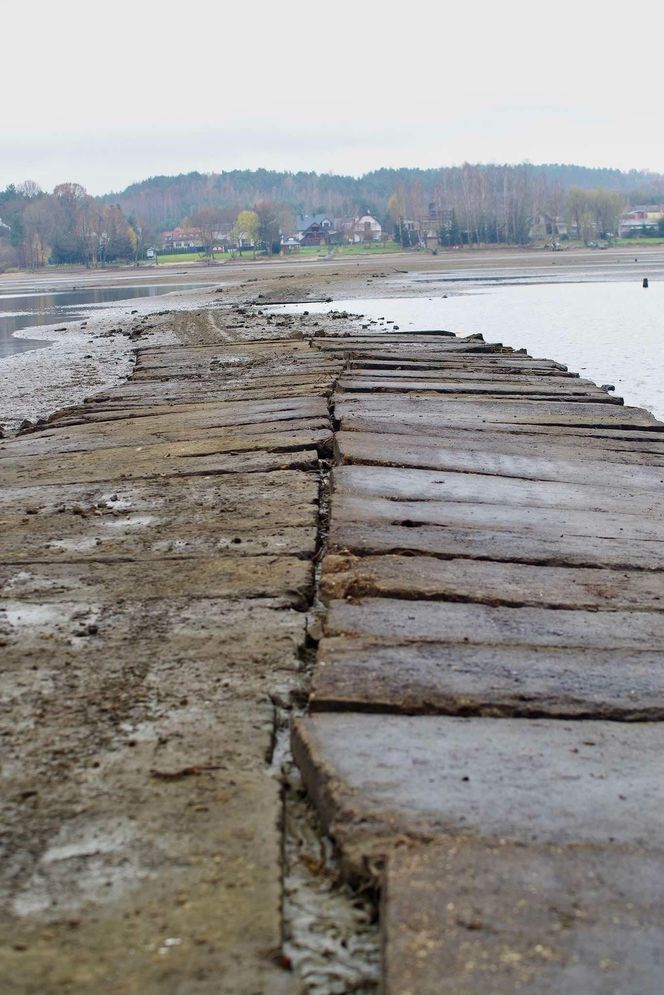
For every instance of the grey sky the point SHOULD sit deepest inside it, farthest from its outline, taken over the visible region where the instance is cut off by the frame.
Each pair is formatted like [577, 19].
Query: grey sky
[108, 94]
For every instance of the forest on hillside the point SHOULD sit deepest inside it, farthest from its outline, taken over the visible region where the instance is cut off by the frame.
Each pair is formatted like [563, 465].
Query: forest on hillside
[482, 196]
[477, 204]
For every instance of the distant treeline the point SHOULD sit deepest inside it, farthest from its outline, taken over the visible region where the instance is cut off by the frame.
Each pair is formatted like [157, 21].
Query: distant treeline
[66, 226]
[494, 201]
[470, 203]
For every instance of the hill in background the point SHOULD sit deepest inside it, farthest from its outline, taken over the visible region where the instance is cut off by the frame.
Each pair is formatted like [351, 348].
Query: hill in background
[162, 202]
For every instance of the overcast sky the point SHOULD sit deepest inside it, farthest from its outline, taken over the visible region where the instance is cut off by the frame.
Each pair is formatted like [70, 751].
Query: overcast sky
[108, 94]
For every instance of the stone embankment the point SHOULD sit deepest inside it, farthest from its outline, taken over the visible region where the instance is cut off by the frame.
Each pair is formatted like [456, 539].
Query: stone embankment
[483, 735]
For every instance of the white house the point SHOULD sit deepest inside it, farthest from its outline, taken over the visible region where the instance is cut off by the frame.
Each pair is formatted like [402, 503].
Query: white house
[366, 228]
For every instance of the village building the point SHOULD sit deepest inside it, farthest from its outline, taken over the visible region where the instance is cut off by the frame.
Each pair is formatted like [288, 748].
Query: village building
[430, 226]
[181, 238]
[366, 228]
[192, 239]
[641, 220]
[315, 229]
[544, 227]
[290, 245]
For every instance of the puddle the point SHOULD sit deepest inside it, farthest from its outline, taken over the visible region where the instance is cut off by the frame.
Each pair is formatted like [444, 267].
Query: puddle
[21, 614]
[128, 521]
[74, 545]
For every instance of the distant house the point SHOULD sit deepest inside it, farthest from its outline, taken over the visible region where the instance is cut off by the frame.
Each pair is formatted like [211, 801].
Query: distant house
[430, 226]
[181, 238]
[366, 228]
[314, 229]
[543, 226]
[5, 230]
[641, 219]
[290, 245]
[223, 239]
[193, 240]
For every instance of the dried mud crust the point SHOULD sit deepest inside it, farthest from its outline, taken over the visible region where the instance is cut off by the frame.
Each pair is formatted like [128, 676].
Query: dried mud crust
[157, 563]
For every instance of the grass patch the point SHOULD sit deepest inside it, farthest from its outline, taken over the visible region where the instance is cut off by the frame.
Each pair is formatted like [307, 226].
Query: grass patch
[305, 252]
[181, 257]
[626, 243]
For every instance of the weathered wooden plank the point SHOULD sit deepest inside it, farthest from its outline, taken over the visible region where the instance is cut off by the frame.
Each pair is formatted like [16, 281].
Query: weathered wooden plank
[610, 436]
[196, 409]
[240, 515]
[357, 674]
[165, 460]
[395, 622]
[502, 364]
[407, 346]
[532, 541]
[547, 380]
[489, 583]
[399, 484]
[288, 581]
[478, 413]
[540, 441]
[524, 461]
[398, 385]
[169, 428]
[156, 393]
[531, 521]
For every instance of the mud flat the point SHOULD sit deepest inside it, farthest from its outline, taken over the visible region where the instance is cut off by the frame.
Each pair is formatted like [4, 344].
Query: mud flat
[450, 553]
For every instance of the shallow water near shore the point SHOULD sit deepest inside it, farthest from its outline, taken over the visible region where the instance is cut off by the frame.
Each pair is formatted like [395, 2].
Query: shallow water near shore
[612, 333]
[30, 310]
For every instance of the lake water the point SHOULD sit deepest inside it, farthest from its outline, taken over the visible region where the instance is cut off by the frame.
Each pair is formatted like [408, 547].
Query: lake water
[608, 332]
[27, 310]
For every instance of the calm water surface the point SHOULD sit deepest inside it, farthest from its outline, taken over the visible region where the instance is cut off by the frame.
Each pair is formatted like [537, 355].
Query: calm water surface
[47, 308]
[608, 332]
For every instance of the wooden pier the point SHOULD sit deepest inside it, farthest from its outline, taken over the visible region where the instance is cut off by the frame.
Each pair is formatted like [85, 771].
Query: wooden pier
[483, 737]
